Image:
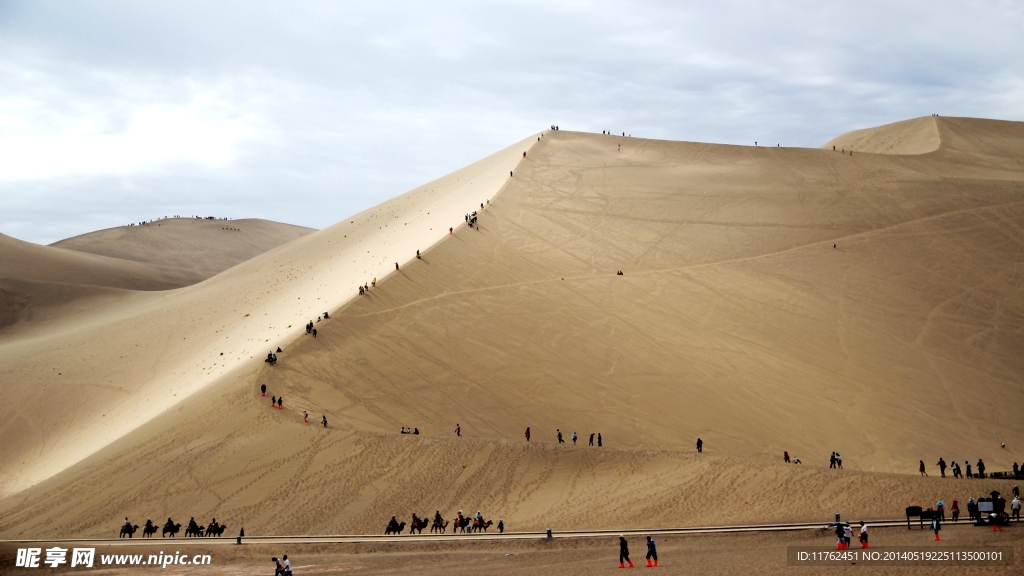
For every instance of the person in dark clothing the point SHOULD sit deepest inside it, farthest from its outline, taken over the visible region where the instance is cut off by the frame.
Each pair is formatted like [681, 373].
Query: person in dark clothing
[920, 468]
[832, 460]
[599, 444]
[969, 473]
[273, 401]
[652, 553]
[591, 439]
[325, 421]
[527, 433]
[981, 468]
[501, 526]
[314, 332]
[624, 553]
[263, 389]
[560, 441]
[700, 445]
[280, 402]
[942, 467]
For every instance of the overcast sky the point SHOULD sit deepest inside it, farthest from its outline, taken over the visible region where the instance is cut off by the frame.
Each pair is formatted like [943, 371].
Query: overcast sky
[306, 112]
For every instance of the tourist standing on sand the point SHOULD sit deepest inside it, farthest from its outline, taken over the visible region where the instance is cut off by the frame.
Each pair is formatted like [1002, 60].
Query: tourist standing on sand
[863, 534]
[1015, 508]
[599, 440]
[785, 456]
[936, 526]
[287, 566]
[981, 468]
[832, 460]
[458, 430]
[624, 553]
[280, 402]
[263, 389]
[839, 461]
[969, 474]
[305, 416]
[954, 510]
[942, 467]
[560, 441]
[700, 445]
[527, 433]
[652, 553]
[574, 438]
[325, 421]
[591, 439]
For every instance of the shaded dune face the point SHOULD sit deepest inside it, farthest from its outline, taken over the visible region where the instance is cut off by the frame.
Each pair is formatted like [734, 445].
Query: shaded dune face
[771, 299]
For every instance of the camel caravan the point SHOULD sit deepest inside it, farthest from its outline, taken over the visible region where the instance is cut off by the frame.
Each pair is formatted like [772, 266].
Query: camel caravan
[439, 525]
[192, 530]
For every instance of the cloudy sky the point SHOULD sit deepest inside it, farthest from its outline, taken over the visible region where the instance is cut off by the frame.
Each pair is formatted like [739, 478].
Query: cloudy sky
[306, 112]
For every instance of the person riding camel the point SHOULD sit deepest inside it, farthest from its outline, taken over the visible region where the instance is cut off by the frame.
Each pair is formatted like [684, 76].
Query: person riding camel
[437, 517]
[170, 523]
[479, 517]
[415, 519]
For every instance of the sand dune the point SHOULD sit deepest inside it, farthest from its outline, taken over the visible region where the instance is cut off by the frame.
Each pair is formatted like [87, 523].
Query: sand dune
[772, 299]
[40, 283]
[202, 248]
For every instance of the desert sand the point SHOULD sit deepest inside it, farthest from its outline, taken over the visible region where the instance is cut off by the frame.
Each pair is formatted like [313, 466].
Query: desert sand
[771, 299]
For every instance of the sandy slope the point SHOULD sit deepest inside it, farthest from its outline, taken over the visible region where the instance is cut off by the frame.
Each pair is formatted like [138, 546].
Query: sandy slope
[202, 248]
[736, 320]
[97, 375]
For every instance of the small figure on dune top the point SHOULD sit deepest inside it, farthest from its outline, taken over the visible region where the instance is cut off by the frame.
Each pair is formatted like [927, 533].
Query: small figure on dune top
[700, 445]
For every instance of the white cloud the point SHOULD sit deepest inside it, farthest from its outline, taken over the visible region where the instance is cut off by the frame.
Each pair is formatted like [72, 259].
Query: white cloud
[126, 139]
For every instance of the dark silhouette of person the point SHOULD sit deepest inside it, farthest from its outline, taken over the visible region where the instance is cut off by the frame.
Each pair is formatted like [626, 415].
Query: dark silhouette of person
[624, 553]
[700, 445]
[263, 389]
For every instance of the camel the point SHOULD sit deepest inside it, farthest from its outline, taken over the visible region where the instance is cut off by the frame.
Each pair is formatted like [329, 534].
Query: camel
[129, 530]
[418, 526]
[172, 529]
[196, 531]
[439, 526]
[216, 529]
[481, 525]
[394, 529]
[460, 524]
[148, 530]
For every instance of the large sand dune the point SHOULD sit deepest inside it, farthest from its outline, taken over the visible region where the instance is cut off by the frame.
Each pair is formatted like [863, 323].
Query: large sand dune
[772, 299]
